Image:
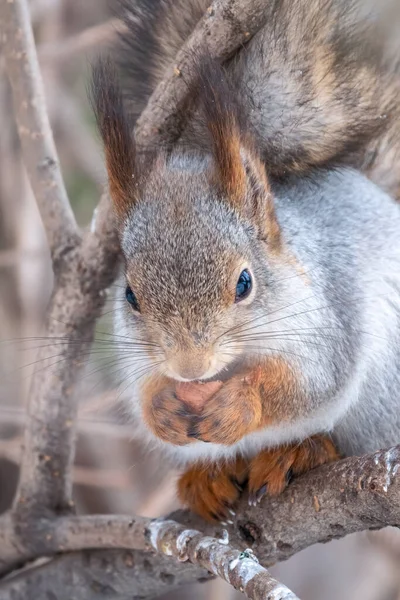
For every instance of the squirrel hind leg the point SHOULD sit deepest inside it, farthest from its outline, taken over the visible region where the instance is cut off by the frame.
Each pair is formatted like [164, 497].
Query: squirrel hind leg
[272, 470]
[212, 490]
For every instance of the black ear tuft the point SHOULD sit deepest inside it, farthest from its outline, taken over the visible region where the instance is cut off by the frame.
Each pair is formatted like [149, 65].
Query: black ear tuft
[116, 132]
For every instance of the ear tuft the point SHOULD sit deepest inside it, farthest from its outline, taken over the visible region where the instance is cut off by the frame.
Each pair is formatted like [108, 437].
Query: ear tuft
[222, 117]
[239, 171]
[260, 202]
[116, 132]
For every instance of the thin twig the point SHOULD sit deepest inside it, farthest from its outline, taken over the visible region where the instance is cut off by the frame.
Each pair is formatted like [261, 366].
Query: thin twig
[38, 148]
[88, 40]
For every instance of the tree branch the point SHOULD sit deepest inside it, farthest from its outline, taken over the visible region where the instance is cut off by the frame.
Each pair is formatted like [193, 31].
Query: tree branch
[240, 569]
[83, 269]
[352, 495]
[38, 149]
[224, 28]
[88, 40]
[104, 574]
[77, 301]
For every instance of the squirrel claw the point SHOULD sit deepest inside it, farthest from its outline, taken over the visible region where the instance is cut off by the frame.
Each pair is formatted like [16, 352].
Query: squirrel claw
[256, 497]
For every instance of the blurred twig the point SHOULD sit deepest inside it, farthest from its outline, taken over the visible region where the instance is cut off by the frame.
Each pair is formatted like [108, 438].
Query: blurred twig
[38, 149]
[88, 40]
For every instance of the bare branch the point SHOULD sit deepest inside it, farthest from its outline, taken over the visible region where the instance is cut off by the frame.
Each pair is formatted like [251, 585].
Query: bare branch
[83, 269]
[352, 495]
[76, 303]
[39, 152]
[355, 494]
[105, 574]
[88, 40]
[240, 569]
[223, 29]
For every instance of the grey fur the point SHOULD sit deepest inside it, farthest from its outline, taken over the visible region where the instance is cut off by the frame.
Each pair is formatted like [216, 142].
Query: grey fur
[343, 231]
[319, 82]
[312, 91]
[348, 229]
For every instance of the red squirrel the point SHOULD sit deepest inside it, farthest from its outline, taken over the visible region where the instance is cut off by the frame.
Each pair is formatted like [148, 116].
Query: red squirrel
[262, 280]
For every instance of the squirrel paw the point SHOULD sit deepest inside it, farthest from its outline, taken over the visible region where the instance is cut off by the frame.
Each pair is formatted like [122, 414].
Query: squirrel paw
[212, 490]
[165, 414]
[272, 470]
[232, 412]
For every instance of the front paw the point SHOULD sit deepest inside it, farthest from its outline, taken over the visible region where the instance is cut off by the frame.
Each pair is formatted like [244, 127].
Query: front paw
[271, 470]
[211, 491]
[168, 417]
[234, 411]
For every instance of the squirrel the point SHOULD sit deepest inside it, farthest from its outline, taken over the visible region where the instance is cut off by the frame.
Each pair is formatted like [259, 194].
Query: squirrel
[262, 277]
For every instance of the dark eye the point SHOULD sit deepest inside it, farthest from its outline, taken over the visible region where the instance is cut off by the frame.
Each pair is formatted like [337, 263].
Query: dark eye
[130, 296]
[243, 286]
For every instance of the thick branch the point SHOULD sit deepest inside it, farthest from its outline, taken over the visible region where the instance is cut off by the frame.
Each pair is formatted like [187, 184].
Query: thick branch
[102, 574]
[240, 569]
[77, 301]
[38, 149]
[353, 495]
[224, 28]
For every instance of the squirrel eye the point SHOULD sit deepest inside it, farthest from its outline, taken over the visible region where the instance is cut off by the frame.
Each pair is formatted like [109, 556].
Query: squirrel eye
[243, 286]
[130, 296]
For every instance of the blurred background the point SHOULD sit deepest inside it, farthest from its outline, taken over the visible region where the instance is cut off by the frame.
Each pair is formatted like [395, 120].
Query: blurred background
[113, 472]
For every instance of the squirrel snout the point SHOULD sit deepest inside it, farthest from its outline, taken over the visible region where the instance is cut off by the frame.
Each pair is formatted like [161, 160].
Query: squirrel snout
[187, 368]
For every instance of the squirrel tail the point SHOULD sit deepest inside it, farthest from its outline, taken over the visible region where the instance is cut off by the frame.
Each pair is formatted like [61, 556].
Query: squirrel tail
[155, 31]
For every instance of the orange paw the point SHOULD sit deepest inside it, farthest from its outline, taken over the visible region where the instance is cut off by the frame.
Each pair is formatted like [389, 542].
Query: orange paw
[165, 414]
[232, 412]
[212, 490]
[271, 470]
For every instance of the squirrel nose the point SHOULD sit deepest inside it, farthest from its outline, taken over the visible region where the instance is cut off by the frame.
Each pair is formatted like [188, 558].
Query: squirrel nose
[189, 368]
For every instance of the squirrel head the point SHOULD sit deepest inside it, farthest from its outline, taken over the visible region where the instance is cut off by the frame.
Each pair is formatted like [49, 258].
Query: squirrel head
[197, 230]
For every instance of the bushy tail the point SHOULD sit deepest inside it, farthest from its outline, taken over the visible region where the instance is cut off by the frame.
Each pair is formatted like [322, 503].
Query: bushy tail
[156, 30]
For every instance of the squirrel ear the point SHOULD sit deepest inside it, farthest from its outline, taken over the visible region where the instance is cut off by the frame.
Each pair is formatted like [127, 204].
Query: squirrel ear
[259, 201]
[116, 133]
[222, 119]
[239, 172]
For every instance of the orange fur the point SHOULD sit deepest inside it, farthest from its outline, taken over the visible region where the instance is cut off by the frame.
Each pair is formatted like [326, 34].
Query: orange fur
[280, 390]
[271, 470]
[231, 174]
[269, 223]
[210, 490]
[268, 394]
[230, 414]
[165, 413]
